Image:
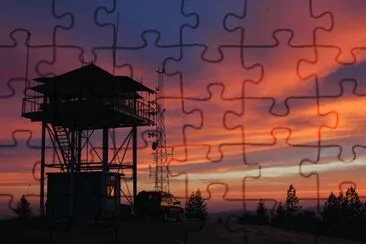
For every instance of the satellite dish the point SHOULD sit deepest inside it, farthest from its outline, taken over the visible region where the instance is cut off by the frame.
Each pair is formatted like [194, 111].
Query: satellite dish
[154, 145]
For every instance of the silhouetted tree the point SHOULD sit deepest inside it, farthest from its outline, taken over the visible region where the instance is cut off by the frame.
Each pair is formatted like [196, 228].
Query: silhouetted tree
[364, 210]
[23, 208]
[219, 220]
[262, 212]
[292, 201]
[331, 210]
[344, 215]
[195, 206]
[354, 203]
[343, 208]
[280, 210]
[280, 216]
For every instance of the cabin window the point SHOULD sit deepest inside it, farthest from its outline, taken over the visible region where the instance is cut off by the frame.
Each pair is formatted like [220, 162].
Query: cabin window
[111, 191]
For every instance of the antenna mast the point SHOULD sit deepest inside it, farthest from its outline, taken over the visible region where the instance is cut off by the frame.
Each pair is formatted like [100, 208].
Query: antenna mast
[160, 153]
[115, 45]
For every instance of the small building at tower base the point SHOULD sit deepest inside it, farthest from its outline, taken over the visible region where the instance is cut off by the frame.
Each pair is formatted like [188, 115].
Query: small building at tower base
[89, 198]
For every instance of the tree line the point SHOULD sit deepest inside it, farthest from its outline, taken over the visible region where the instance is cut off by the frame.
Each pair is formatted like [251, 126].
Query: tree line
[341, 216]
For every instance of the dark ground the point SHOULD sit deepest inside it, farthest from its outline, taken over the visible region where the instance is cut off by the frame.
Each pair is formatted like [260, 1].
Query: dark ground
[36, 230]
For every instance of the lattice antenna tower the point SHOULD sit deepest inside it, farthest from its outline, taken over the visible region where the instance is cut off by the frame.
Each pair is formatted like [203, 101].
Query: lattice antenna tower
[160, 154]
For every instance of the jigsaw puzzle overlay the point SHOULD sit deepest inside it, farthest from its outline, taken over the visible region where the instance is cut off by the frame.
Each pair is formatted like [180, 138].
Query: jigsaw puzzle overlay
[259, 94]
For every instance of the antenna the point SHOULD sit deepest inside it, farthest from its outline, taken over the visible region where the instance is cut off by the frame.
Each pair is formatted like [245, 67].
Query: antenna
[159, 145]
[115, 45]
[27, 82]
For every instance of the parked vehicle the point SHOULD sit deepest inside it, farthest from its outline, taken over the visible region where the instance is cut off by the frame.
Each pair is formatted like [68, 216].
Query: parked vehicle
[158, 205]
[126, 212]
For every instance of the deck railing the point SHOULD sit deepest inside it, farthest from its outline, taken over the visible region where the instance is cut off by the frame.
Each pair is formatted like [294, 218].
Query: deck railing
[142, 110]
[32, 104]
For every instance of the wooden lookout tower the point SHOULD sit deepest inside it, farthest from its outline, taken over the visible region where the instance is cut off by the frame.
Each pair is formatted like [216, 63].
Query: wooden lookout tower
[71, 107]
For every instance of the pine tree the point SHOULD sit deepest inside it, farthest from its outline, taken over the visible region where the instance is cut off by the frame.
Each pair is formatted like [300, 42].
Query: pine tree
[280, 210]
[262, 212]
[331, 208]
[195, 206]
[292, 201]
[364, 210]
[343, 207]
[354, 203]
[279, 219]
[23, 208]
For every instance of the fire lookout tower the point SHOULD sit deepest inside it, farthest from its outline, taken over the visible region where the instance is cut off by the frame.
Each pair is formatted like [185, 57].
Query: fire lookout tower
[71, 107]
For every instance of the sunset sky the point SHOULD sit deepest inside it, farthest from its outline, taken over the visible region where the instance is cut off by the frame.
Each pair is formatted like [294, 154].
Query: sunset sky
[260, 94]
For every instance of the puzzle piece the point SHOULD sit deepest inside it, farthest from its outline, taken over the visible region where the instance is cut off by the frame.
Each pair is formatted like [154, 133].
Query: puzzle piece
[11, 108]
[280, 79]
[194, 74]
[14, 70]
[20, 63]
[231, 225]
[341, 90]
[14, 172]
[239, 233]
[118, 141]
[83, 26]
[117, 147]
[329, 72]
[54, 64]
[163, 17]
[141, 62]
[237, 200]
[350, 120]
[196, 172]
[346, 31]
[279, 168]
[180, 116]
[209, 31]
[19, 147]
[200, 232]
[284, 152]
[38, 19]
[268, 16]
[334, 175]
[6, 206]
[212, 111]
[303, 119]
[17, 171]
[27, 151]
[198, 147]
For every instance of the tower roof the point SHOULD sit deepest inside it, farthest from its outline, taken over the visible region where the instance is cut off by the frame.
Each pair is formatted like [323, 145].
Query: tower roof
[91, 80]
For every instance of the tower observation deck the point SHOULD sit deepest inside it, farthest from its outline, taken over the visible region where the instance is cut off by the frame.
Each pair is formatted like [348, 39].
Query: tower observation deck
[89, 98]
[71, 106]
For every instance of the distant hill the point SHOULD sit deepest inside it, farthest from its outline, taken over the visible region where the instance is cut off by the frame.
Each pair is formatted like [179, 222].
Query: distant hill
[214, 216]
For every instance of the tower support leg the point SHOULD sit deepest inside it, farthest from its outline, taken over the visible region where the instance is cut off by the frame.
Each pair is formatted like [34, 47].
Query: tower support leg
[105, 168]
[134, 162]
[43, 156]
[72, 170]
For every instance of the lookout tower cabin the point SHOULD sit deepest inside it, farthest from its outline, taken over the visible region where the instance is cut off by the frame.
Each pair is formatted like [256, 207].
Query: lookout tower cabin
[71, 106]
